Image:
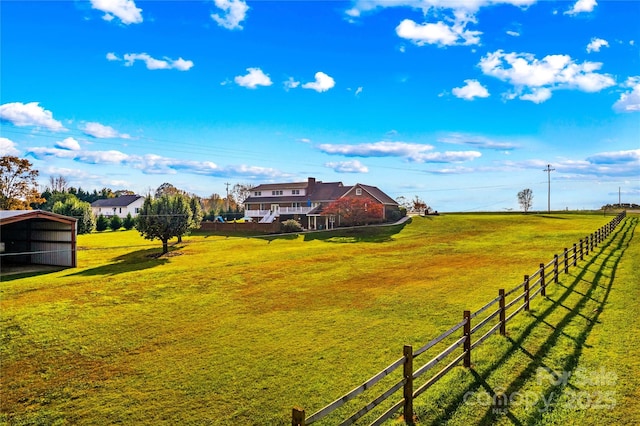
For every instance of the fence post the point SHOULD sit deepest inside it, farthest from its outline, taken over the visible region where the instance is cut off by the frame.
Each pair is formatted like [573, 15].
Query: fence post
[566, 260]
[542, 283]
[526, 292]
[555, 269]
[467, 342]
[297, 417]
[575, 255]
[591, 243]
[581, 258]
[503, 325]
[407, 373]
[586, 246]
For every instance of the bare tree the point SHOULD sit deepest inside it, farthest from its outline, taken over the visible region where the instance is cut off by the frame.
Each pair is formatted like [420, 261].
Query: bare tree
[58, 183]
[525, 199]
[241, 192]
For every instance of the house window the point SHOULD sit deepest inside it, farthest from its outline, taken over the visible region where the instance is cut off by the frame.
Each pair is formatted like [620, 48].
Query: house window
[257, 193]
[120, 209]
[137, 210]
[358, 191]
[276, 192]
[295, 205]
[295, 192]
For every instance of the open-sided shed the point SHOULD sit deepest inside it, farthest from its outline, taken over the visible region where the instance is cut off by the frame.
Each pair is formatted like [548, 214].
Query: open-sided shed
[37, 237]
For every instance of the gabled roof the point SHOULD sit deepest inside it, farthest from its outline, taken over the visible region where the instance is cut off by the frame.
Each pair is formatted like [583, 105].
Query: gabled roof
[10, 216]
[328, 191]
[274, 186]
[376, 193]
[121, 201]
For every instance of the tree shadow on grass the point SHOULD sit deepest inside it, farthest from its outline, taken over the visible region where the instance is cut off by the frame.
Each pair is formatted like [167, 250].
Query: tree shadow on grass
[131, 262]
[366, 234]
[617, 245]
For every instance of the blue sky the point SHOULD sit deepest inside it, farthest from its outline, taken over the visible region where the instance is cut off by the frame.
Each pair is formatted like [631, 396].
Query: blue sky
[460, 102]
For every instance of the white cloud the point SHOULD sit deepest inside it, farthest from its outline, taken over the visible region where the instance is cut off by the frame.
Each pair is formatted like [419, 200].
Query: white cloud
[354, 166]
[358, 90]
[534, 79]
[68, 143]
[377, 149]
[629, 101]
[472, 89]
[253, 79]
[630, 157]
[446, 157]
[152, 63]
[8, 147]
[582, 6]
[322, 83]
[596, 44]
[125, 10]
[101, 131]
[291, 83]
[476, 141]
[426, 6]
[89, 157]
[439, 33]
[537, 95]
[30, 114]
[419, 153]
[513, 33]
[156, 164]
[234, 12]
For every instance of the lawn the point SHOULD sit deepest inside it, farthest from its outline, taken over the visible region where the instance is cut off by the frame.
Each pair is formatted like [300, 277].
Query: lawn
[236, 330]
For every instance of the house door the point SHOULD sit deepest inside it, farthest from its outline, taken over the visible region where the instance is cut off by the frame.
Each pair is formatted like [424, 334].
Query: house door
[275, 208]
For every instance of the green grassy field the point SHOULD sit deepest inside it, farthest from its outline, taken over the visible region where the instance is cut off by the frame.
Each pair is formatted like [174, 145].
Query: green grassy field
[235, 331]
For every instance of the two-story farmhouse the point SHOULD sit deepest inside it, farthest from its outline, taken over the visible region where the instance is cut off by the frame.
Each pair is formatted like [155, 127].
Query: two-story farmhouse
[118, 206]
[304, 201]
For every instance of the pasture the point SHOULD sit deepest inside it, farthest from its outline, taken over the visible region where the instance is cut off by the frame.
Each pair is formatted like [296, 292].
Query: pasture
[237, 330]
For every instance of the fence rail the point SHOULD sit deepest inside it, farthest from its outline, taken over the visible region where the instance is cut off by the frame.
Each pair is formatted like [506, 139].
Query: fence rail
[530, 289]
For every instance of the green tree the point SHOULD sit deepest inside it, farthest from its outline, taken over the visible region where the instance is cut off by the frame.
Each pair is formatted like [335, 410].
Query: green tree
[197, 214]
[115, 223]
[18, 185]
[81, 210]
[163, 218]
[102, 223]
[129, 222]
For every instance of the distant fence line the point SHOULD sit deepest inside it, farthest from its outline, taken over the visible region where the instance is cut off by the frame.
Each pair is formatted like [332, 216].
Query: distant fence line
[240, 226]
[532, 286]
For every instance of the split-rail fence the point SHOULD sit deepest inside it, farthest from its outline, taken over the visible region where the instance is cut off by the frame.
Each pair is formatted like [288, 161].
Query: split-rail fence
[532, 286]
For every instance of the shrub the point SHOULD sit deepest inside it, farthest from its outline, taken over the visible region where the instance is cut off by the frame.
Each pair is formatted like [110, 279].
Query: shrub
[291, 226]
[115, 223]
[129, 222]
[102, 223]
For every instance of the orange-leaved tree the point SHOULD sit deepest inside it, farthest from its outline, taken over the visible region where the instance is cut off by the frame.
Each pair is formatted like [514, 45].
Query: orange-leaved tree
[355, 211]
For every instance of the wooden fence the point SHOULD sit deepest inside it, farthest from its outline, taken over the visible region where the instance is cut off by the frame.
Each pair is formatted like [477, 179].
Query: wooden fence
[521, 295]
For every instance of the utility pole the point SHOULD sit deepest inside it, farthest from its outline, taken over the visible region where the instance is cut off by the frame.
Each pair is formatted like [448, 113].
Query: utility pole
[548, 170]
[227, 184]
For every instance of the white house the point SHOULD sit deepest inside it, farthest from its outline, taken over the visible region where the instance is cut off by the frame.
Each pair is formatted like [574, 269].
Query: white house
[118, 206]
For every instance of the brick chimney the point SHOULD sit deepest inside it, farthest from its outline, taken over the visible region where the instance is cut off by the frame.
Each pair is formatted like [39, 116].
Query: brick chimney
[311, 183]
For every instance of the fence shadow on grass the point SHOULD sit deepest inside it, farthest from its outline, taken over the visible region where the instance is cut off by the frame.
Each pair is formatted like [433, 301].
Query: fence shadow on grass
[607, 258]
[130, 262]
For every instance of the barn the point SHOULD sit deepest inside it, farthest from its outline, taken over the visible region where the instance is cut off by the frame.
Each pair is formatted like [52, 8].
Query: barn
[36, 237]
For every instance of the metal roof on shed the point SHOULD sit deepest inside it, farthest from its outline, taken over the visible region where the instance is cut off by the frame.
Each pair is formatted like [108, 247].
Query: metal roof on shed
[10, 216]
